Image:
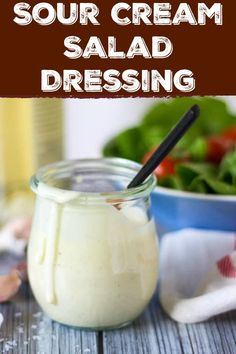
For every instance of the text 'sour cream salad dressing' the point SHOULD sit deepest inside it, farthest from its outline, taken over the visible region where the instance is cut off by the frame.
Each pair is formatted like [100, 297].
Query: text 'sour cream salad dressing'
[91, 265]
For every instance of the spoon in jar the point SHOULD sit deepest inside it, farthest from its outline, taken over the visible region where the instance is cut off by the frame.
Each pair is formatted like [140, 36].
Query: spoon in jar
[166, 146]
[162, 150]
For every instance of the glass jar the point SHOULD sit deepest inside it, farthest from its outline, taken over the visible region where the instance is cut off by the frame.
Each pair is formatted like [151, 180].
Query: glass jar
[92, 255]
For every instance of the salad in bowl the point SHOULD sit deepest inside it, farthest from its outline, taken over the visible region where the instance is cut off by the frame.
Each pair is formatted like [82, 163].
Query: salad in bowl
[197, 182]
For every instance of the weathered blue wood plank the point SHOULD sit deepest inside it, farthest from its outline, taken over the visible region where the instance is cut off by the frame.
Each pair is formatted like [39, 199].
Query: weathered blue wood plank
[27, 330]
[155, 333]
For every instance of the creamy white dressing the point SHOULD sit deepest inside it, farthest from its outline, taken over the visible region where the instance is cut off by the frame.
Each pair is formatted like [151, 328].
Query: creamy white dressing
[91, 265]
[40, 254]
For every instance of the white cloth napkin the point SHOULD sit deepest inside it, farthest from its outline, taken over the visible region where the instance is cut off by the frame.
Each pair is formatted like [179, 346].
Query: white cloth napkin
[9, 242]
[198, 274]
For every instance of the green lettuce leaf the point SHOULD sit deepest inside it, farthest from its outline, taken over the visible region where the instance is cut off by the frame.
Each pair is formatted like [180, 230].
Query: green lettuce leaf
[189, 171]
[214, 116]
[135, 142]
[173, 182]
[227, 168]
[196, 176]
[212, 186]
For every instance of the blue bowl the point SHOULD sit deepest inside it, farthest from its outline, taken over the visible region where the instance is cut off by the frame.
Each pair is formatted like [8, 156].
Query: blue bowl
[174, 210]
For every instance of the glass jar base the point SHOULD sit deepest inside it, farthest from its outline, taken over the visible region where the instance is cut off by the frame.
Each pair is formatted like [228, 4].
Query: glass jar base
[97, 329]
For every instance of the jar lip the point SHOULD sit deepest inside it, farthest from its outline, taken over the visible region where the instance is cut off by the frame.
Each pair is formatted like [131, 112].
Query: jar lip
[39, 185]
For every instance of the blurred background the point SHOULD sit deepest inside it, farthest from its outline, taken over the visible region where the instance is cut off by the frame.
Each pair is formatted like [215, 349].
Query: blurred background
[35, 132]
[102, 119]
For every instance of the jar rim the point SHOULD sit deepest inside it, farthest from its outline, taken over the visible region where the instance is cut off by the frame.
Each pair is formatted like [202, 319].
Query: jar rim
[125, 166]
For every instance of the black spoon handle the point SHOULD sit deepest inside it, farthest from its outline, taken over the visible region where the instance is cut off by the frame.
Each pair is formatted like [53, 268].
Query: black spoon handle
[166, 146]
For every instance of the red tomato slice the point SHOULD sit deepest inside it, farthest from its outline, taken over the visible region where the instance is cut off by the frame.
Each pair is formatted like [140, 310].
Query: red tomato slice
[217, 147]
[230, 134]
[166, 168]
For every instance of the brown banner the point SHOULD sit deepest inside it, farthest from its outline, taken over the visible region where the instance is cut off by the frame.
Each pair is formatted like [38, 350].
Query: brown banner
[112, 49]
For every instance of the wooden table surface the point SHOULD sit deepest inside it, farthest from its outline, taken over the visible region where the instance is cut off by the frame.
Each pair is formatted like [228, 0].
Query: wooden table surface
[27, 330]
